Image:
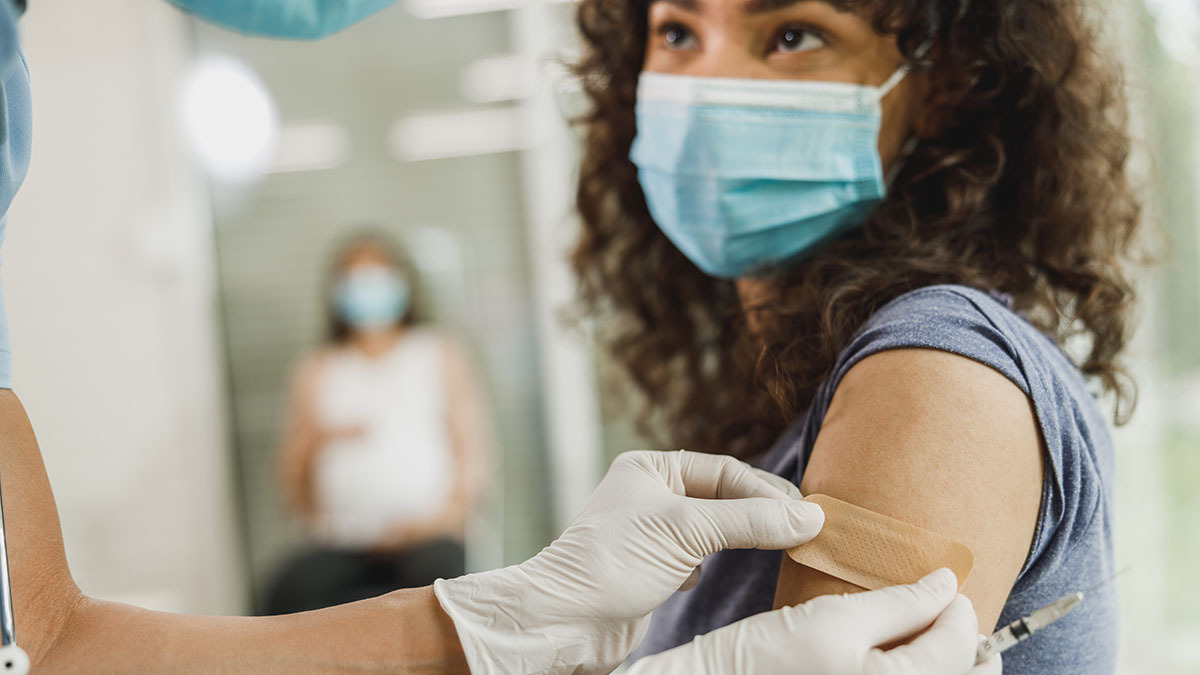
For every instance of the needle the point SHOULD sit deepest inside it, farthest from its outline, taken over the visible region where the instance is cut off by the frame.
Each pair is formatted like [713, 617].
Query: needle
[1020, 630]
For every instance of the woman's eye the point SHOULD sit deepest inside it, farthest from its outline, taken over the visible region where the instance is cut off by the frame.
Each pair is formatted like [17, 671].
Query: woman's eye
[795, 40]
[677, 36]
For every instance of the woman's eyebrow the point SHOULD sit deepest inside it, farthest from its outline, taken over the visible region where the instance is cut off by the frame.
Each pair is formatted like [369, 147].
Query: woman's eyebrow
[689, 5]
[764, 6]
[749, 6]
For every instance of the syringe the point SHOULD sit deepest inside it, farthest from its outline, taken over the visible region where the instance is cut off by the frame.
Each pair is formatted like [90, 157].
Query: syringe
[1020, 630]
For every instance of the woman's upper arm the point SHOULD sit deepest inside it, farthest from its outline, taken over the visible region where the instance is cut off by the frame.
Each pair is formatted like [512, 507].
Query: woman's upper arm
[464, 389]
[939, 441]
[468, 416]
[300, 425]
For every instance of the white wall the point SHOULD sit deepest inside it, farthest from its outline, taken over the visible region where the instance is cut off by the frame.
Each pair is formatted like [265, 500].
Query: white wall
[568, 369]
[107, 270]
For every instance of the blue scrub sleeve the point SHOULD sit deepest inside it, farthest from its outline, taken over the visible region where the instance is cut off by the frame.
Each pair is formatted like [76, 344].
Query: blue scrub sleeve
[294, 19]
[15, 122]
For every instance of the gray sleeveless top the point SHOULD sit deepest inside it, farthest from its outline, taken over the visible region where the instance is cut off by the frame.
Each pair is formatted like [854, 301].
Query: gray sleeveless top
[1072, 547]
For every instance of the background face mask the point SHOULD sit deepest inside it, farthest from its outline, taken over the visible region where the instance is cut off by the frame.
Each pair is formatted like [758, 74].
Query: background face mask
[372, 298]
[743, 174]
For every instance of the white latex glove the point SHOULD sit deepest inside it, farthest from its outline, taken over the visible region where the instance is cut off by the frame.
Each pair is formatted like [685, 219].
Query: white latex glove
[582, 604]
[841, 635]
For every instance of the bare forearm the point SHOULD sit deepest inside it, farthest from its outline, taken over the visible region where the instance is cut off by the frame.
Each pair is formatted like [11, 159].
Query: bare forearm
[402, 632]
[66, 632]
[44, 595]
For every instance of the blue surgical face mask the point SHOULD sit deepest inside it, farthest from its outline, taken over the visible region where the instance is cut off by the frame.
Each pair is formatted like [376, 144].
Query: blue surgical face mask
[298, 19]
[372, 298]
[742, 175]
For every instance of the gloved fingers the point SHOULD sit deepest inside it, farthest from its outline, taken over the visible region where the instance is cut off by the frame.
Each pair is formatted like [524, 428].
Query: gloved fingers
[764, 523]
[723, 477]
[751, 646]
[993, 666]
[780, 483]
[947, 648]
[681, 660]
[898, 612]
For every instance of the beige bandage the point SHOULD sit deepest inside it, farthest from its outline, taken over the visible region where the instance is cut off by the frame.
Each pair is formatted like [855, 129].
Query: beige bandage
[871, 550]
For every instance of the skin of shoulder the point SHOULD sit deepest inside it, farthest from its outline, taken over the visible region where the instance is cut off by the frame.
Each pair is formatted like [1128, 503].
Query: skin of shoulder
[939, 441]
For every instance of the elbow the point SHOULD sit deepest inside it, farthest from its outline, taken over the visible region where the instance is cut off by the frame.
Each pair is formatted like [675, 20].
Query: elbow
[58, 629]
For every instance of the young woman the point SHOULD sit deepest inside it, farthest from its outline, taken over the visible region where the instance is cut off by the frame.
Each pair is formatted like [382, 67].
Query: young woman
[854, 240]
[387, 444]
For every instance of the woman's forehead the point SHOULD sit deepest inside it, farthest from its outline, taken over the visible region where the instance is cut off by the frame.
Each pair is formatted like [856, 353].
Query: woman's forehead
[754, 6]
[364, 253]
[846, 12]
[749, 6]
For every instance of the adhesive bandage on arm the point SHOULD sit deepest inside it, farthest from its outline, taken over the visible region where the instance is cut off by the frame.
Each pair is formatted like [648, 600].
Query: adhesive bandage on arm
[871, 550]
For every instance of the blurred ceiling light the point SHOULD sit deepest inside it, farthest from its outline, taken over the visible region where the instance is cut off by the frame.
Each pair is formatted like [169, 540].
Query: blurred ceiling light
[439, 9]
[495, 79]
[458, 134]
[1178, 23]
[311, 146]
[229, 118]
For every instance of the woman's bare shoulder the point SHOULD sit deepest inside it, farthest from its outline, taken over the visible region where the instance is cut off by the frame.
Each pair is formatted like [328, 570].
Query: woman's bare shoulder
[943, 442]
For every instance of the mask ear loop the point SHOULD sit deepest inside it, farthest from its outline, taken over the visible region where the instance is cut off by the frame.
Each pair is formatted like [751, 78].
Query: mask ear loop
[904, 69]
[884, 89]
[887, 87]
[897, 166]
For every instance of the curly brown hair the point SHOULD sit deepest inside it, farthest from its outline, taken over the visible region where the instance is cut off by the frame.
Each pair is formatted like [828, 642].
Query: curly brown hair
[1022, 190]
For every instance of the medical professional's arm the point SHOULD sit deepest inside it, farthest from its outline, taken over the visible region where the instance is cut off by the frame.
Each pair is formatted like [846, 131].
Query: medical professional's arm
[578, 607]
[44, 595]
[66, 632]
[939, 441]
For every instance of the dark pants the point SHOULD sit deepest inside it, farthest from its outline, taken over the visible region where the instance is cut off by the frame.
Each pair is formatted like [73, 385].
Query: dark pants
[327, 577]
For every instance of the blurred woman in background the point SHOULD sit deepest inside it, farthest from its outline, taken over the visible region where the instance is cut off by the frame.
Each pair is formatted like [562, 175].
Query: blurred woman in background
[386, 444]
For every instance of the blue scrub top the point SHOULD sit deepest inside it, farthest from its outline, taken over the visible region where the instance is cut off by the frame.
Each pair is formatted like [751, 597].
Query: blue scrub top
[15, 127]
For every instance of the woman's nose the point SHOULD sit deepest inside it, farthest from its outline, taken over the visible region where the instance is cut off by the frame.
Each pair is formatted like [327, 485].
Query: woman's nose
[727, 55]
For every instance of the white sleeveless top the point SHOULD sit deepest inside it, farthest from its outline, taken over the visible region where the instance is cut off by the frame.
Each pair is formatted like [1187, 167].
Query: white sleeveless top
[402, 467]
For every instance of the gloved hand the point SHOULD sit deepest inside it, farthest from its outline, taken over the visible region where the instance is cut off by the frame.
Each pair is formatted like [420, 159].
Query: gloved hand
[841, 635]
[582, 604]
